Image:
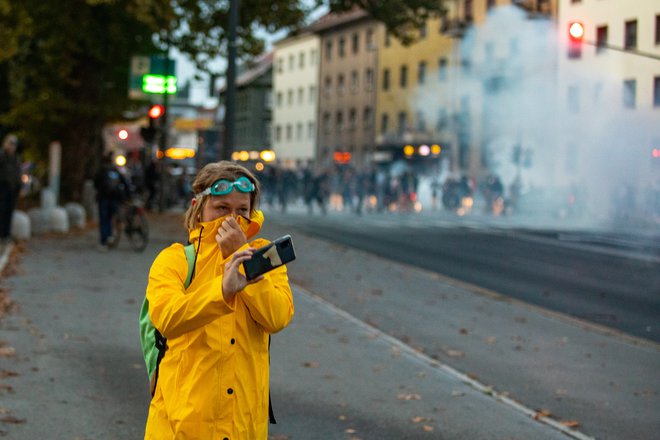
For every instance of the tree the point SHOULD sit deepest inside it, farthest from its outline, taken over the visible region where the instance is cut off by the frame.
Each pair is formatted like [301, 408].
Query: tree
[67, 74]
[64, 65]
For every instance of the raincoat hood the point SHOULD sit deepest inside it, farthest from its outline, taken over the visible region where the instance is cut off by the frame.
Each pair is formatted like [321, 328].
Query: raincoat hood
[207, 230]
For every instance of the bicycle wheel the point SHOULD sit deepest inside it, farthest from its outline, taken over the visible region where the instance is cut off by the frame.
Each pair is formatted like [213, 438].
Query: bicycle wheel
[137, 230]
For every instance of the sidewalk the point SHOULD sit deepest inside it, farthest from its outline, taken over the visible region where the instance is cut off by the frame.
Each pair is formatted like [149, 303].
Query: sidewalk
[335, 375]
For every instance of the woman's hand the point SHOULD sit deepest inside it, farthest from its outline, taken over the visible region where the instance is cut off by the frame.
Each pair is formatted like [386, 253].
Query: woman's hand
[230, 237]
[232, 280]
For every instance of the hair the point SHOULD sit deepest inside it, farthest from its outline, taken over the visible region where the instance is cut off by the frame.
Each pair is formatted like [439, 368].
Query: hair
[206, 177]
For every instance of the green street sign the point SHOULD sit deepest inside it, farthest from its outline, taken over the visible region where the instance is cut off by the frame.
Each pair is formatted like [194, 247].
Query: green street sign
[159, 84]
[151, 66]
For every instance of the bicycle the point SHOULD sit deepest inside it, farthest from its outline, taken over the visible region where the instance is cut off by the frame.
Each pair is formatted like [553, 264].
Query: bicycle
[132, 220]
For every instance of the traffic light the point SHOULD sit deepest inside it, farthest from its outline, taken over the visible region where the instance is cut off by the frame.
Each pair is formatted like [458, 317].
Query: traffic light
[575, 38]
[149, 133]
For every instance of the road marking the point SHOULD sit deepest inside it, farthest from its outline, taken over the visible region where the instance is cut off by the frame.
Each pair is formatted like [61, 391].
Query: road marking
[487, 390]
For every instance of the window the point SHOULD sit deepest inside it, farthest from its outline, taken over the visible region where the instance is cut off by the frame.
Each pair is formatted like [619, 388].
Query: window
[301, 95]
[289, 132]
[402, 126]
[299, 131]
[278, 133]
[328, 50]
[403, 79]
[342, 47]
[312, 57]
[352, 119]
[629, 92]
[469, 11]
[356, 43]
[386, 79]
[340, 121]
[370, 38]
[289, 97]
[421, 72]
[278, 102]
[366, 117]
[421, 121]
[354, 81]
[340, 84]
[657, 29]
[384, 123]
[301, 60]
[280, 65]
[601, 38]
[369, 81]
[326, 122]
[388, 39]
[656, 91]
[423, 31]
[442, 69]
[490, 4]
[327, 88]
[291, 62]
[312, 93]
[631, 35]
[310, 130]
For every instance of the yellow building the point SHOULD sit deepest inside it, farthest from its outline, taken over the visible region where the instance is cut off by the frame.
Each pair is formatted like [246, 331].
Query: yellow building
[432, 92]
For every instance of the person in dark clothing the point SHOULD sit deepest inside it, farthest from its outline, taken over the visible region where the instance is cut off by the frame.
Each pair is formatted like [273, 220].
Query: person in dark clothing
[10, 185]
[112, 189]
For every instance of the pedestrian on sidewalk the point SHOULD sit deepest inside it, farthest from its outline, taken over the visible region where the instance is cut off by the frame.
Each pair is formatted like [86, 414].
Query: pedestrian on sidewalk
[213, 381]
[112, 188]
[10, 185]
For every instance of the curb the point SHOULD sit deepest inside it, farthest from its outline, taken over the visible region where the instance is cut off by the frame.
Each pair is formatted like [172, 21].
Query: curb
[496, 396]
[5, 252]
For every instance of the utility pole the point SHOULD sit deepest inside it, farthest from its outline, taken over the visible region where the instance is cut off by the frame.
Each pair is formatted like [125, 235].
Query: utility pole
[162, 142]
[230, 95]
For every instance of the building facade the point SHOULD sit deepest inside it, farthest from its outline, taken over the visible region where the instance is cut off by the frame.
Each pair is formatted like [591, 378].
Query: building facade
[295, 95]
[254, 88]
[347, 87]
[609, 92]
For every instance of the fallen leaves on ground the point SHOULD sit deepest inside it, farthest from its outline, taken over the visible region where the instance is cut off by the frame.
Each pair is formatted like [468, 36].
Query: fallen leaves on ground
[409, 396]
[12, 420]
[310, 364]
[571, 423]
[542, 413]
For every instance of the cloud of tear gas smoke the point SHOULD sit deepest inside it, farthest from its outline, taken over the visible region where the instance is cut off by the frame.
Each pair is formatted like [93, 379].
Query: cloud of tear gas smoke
[559, 129]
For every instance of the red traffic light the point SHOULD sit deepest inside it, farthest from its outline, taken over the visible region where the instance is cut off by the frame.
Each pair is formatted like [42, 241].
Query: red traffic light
[156, 111]
[575, 31]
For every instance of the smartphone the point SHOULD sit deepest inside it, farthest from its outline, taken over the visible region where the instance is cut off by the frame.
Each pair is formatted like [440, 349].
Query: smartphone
[269, 257]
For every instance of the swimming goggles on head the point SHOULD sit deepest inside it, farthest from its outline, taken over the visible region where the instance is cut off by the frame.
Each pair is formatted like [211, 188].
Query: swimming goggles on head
[223, 187]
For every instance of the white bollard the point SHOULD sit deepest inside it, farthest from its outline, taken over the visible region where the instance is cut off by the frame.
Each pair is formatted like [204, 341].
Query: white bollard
[76, 214]
[20, 225]
[59, 220]
[39, 220]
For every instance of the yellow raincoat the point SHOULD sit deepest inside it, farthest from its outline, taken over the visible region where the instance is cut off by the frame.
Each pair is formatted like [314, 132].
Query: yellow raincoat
[213, 379]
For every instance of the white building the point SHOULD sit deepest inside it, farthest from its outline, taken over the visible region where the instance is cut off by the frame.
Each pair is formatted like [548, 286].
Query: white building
[609, 96]
[295, 92]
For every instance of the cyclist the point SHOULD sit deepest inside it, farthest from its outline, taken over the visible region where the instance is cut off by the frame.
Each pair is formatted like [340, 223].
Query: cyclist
[112, 188]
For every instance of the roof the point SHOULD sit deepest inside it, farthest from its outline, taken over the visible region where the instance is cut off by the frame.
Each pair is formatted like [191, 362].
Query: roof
[260, 65]
[332, 20]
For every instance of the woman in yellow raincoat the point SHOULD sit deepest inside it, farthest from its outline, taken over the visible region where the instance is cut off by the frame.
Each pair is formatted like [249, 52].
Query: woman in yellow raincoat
[213, 379]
